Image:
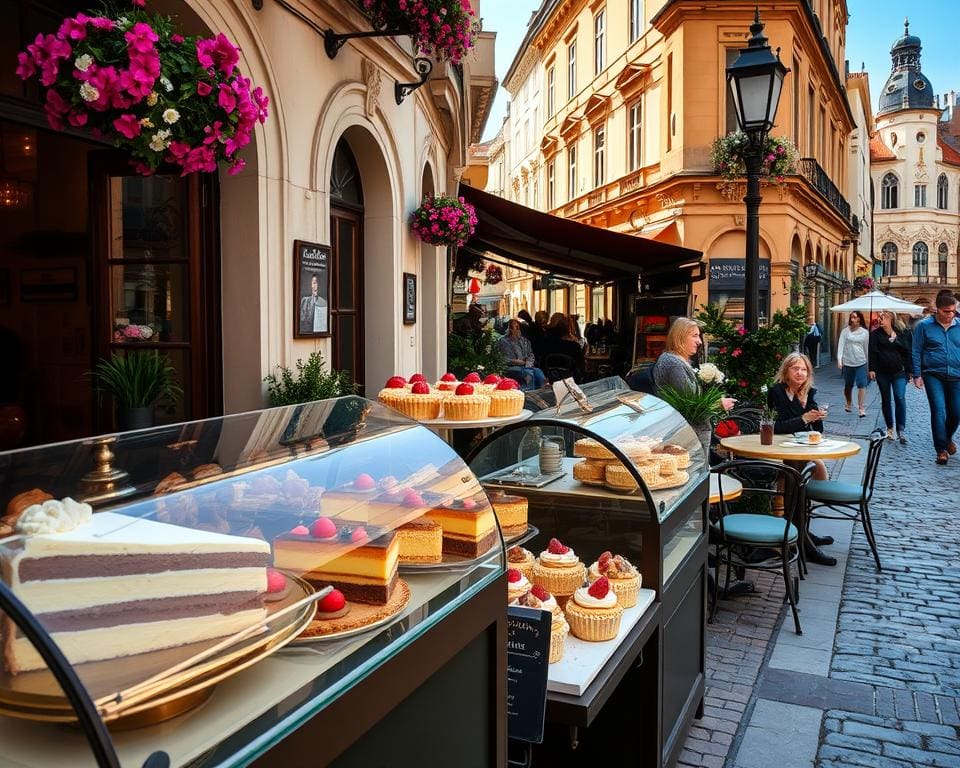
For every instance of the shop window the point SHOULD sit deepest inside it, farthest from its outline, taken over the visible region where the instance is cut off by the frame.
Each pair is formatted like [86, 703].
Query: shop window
[889, 254]
[890, 192]
[920, 259]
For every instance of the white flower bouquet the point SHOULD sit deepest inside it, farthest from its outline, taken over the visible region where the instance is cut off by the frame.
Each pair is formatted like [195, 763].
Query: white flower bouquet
[708, 373]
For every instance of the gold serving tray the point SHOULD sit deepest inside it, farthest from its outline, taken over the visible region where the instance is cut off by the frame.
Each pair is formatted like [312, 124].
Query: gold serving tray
[37, 695]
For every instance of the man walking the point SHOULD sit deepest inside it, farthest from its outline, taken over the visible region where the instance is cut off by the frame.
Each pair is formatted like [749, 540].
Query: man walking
[936, 363]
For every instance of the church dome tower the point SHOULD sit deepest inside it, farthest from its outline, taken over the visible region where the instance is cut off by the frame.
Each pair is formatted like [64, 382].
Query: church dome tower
[907, 87]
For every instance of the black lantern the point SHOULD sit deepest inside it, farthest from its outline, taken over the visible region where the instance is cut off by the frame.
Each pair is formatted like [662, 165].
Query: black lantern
[755, 80]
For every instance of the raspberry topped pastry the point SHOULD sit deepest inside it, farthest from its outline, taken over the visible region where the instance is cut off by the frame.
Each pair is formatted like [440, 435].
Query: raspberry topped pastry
[448, 382]
[506, 399]
[466, 404]
[393, 392]
[517, 584]
[559, 570]
[623, 576]
[593, 613]
[538, 597]
[521, 559]
[421, 403]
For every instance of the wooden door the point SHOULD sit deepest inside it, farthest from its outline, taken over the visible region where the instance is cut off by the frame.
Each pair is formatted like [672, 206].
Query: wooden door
[346, 290]
[156, 263]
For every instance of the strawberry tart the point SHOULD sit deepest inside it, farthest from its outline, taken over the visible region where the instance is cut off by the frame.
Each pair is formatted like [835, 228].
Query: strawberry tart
[559, 570]
[539, 598]
[448, 382]
[466, 404]
[623, 576]
[594, 613]
[422, 403]
[393, 392]
[517, 584]
[506, 399]
[521, 559]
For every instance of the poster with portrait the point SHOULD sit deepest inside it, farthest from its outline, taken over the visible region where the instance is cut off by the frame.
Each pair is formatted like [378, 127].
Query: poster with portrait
[311, 274]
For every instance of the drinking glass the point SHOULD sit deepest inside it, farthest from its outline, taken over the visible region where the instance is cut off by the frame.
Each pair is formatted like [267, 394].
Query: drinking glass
[824, 407]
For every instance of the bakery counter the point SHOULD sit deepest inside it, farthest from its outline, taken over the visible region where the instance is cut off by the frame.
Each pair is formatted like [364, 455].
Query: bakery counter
[255, 710]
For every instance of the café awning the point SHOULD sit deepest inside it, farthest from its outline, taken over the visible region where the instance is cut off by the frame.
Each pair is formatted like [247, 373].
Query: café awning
[567, 248]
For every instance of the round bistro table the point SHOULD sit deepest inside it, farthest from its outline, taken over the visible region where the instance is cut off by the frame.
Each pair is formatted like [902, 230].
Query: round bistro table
[732, 488]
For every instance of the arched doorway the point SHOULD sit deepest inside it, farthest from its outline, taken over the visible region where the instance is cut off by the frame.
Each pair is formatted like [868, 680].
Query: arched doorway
[346, 277]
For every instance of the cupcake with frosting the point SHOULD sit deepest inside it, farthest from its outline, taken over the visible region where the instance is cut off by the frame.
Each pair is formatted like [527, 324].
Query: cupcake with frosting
[517, 584]
[466, 405]
[521, 559]
[623, 576]
[421, 403]
[594, 613]
[393, 392]
[559, 571]
[448, 382]
[506, 399]
[539, 598]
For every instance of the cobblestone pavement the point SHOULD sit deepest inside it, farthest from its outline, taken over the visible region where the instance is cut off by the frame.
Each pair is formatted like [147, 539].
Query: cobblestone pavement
[892, 692]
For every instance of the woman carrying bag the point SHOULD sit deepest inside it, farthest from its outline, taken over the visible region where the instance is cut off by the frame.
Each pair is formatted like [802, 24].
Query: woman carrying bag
[891, 366]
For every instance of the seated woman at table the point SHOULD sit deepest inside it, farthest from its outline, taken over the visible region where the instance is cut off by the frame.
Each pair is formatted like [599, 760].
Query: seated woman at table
[793, 397]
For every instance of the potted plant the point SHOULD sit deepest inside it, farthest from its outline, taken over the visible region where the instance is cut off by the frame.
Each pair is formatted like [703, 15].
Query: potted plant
[137, 381]
[779, 157]
[164, 97]
[445, 29]
[444, 220]
[701, 407]
[312, 382]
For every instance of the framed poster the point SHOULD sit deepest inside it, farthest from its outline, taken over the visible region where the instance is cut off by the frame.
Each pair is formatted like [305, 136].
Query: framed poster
[409, 298]
[311, 286]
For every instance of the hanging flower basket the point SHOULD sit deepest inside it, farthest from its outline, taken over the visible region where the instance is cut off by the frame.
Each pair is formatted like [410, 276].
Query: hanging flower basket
[492, 274]
[444, 29]
[862, 283]
[444, 220]
[779, 157]
[162, 96]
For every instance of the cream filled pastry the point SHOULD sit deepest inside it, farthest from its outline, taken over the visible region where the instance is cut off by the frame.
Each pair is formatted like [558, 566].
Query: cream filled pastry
[517, 584]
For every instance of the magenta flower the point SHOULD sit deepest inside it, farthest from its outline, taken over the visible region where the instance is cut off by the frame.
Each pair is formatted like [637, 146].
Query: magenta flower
[127, 125]
[102, 23]
[218, 53]
[141, 37]
[74, 29]
[204, 89]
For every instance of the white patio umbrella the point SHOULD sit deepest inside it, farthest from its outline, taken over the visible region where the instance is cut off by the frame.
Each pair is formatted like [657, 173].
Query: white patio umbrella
[878, 301]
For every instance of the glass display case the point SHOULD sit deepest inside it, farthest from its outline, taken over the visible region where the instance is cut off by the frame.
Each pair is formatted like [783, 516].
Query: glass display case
[619, 471]
[269, 565]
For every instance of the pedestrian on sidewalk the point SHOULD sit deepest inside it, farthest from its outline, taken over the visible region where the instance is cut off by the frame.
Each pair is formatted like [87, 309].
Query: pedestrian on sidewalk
[811, 343]
[891, 366]
[852, 352]
[936, 364]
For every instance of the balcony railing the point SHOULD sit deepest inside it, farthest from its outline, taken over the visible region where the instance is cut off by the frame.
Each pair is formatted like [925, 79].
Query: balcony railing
[810, 169]
[901, 280]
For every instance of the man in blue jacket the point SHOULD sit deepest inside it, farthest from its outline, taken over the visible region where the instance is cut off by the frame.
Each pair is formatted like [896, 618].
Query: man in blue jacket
[936, 361]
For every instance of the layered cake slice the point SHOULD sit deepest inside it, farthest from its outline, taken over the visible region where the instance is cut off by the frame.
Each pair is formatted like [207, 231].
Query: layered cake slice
[469, 527]
[110, 585]
[361, 561]
[421, 541]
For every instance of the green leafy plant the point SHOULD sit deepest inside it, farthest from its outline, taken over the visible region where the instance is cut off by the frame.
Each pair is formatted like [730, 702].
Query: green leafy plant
[476, 351]
[312, 382]
[700, 406]
[779, 157]
[137, 379]
[751, 359]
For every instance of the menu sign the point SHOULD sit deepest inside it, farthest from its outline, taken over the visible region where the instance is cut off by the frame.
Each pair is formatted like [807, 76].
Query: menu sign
[528, 654]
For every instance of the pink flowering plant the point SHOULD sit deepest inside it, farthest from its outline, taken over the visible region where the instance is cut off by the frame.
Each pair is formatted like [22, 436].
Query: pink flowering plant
[164, 97]
[444, 29]
[779, 157]
[444, 220]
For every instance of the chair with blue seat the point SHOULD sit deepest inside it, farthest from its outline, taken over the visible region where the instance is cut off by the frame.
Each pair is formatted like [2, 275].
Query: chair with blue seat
[849, 501]
[742, 538]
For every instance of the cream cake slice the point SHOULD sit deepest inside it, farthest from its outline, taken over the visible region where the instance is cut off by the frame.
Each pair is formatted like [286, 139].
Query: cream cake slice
[117, 585]
[469, 527]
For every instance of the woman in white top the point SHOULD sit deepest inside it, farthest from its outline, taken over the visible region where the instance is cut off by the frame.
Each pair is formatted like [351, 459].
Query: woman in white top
[852, 359]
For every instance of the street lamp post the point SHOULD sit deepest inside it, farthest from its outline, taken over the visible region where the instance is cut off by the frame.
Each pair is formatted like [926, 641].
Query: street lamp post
[755, 80]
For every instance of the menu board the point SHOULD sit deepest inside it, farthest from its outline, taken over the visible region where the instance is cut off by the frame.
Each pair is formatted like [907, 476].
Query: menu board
[528, 654]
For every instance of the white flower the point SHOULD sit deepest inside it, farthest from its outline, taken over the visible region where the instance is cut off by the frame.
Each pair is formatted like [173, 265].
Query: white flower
[123, 22]
[164, 133]
[146, 122]
[83, 62]
[763, 388]
[146, 331]
[170, 116]
[159, 143]
[710, 374]
[167, 85]
[152, 98]
[88, 92]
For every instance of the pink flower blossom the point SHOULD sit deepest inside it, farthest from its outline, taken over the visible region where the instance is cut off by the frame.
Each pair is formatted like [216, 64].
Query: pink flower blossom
[742, 331]
[74, 28]
[132, 331]
[218, 52]
[204, 89]
[127, 125]
[77, 119]
[102, 23]
[227, 99]
[737, 352]
[176, 39]
[238, 165]
[26, 68]
[139, 3]
[141, 37]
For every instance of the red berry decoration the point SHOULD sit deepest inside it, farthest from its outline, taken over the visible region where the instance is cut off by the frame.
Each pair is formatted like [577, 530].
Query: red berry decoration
[420, 388]
[469, 504]
[513, 575]
[540, 593]
[599, 588]
[604, 560]
[276, 581]
[323, 528]
[363, 482]
[448, 377]
[492, 379]
[464, 389]
[556, 548]
[412, 498]
[472, 378]
[332, 603]
[359, 534]
[396, 382]
[300, 530]
[417, 377]
[506, 384]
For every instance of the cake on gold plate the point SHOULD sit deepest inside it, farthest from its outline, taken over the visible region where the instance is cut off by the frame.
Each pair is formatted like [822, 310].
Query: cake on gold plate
[594, 613]
[559, 571]
[393, 392]
[421, 403]
[517, 584]
[511, 512]
[506, 399]
[421, 541]
[623, 576]
[539, 598]
[521, 559]
[466, 405]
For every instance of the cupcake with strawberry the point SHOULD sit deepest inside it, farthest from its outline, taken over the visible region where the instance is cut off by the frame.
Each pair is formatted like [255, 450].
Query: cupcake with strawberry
[421, 403]
[488, 384]
[517, 584]
[539, 598]
[521, 559]
[466, 404]
[559, 571]
[506, 399]
[448, 382]
[623, 576]
[594, 613]
[393, 392]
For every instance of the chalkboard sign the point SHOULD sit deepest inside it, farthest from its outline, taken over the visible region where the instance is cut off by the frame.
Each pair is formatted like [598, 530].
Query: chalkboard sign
[528, 654]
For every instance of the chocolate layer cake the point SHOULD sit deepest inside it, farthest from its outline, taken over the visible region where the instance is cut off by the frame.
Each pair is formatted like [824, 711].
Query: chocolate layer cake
[116, 586]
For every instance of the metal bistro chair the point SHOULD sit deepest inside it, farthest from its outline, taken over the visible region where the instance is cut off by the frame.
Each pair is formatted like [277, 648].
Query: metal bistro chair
[741, 535]
[849, 501]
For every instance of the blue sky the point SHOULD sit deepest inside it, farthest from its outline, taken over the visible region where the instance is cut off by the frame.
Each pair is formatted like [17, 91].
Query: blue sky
[874, 25]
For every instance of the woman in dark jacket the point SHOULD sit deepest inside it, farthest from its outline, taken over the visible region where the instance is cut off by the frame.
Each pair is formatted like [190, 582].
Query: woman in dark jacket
[558, 340]
[793, 397]
[891, 366]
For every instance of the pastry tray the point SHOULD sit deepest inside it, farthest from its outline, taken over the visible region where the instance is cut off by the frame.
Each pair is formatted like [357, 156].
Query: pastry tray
[510, 477]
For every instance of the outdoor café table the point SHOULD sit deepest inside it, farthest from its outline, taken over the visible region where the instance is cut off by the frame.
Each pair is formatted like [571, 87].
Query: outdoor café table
[732, 488]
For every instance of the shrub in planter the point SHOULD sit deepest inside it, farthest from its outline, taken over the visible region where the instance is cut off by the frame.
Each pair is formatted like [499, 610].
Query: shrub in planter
[312, 382]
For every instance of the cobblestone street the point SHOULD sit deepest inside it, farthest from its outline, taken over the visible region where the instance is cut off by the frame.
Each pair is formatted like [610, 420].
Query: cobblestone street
[875, 678]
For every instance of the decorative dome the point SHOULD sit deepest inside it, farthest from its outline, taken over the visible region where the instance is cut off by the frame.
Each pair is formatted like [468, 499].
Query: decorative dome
[907, 87]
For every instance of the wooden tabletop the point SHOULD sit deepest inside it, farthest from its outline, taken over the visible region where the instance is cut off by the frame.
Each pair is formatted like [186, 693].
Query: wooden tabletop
[785, 448]
[732, 488]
